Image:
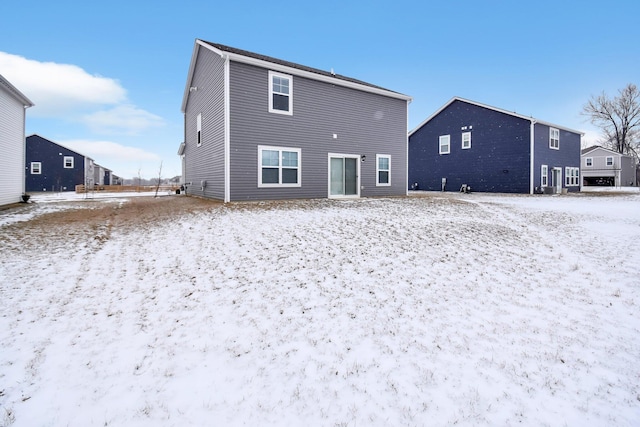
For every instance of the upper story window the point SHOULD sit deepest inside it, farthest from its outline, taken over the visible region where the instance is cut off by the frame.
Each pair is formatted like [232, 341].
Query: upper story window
[588, 161]
[68, 162]
[466, 140]
[554, 138]
[609, 161]
[445, 144]
[383, 169]
[280, 93]
[199, 130]
[36, 168]
[278, 167]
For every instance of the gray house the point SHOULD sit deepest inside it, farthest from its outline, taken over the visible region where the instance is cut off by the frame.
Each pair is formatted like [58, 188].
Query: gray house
[259, 128]
[13, 105]
[601, 166]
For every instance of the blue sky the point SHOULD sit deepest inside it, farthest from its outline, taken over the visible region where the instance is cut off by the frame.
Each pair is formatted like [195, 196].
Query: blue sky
[108, 77]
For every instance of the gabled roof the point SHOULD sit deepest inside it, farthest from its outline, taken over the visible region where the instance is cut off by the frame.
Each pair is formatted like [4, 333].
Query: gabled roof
[59, 145]
[15, 92]
[275, 64]
[489, 107]
[598, 147]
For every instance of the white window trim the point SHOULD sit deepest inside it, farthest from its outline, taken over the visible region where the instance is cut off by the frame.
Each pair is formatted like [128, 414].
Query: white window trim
[440, 140]
[280, 167]
[463, 141]
[39, 167]
[553, 132]
[64, 162]
[606, 161]
[571, 179]
[378, 183]
[544, 176]
[587, 160]
[199, 130]
[273, 74]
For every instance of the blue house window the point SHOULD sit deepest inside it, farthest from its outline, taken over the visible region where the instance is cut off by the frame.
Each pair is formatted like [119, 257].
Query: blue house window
[571, 177]
[466, 140]
[68, 162]
[554, 138]
[445, 144]
[36, 168]
[544, 176]
[278, 167]
[280, 92]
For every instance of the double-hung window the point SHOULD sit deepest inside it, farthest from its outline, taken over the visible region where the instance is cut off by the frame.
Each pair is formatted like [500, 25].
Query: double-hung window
[68, 162]
[280, 93]
[445, 144]
[383, 169]
[466, 140]
[36, 168]
[609, 161]
[588, 161]
[278, 167]
[571, 177]
[554, 138]
[544, 176]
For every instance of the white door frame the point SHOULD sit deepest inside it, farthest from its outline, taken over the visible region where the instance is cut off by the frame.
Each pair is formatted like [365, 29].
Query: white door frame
[343, 156]
[556, 176]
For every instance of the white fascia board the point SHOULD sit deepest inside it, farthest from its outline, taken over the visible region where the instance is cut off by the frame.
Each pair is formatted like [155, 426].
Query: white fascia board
[192, 66]
[500, 110]
[13, 91]
[303, 73]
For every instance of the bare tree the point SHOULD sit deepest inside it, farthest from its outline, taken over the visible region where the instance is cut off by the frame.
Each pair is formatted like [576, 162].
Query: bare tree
[619, 119]
[159, 179]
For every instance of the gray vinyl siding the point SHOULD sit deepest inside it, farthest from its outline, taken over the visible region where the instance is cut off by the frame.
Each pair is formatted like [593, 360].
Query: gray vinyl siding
[12, 114]
[623, 168]
[206, 163]
[364, 123]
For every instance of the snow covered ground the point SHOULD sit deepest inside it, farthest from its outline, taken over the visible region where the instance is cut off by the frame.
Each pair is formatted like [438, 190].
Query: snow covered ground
[428, 310]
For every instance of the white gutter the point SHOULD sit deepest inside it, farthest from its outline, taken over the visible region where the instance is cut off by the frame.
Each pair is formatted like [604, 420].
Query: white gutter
[227, 130]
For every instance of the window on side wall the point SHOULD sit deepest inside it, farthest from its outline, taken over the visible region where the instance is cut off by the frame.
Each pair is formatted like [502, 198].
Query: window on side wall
[445, 144]
[588, 161]
[544, 176]
[554, 138]
[571, 177]
[278, 167]
[36, 168]
[383, 169]
[466, 140]
[68, 162]
[199, 130]
[280, 93]
[609, 161]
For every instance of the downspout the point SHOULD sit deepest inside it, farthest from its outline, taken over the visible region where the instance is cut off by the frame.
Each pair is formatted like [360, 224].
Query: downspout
[227, 130]
[24, 150]
[532, 163]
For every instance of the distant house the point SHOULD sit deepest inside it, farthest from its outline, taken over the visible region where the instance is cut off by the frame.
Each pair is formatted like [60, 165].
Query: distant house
[601, 166]
[52, 167]
[492, 150]
[13, 105]
[259, 128]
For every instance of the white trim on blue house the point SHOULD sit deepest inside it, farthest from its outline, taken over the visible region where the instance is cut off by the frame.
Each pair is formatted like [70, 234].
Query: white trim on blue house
[511, 113]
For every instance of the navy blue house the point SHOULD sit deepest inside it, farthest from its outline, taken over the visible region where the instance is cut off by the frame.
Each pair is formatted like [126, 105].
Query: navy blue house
[52, 167]
[492, 150]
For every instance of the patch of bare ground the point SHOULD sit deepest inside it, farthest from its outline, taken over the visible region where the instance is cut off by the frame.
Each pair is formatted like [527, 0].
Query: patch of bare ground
[94, 220]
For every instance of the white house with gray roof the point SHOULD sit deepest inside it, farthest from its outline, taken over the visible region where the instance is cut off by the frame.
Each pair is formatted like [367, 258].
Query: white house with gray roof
[13, 106]
[260, 128]
[604, 167]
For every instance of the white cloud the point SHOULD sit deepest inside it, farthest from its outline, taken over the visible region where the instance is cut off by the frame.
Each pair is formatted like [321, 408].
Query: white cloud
[57, 88]
[122, 119]
[108, 150]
